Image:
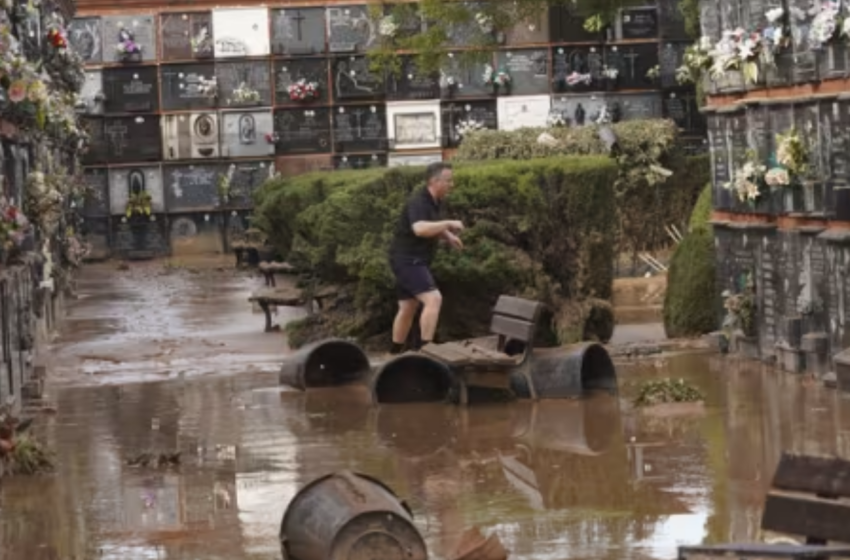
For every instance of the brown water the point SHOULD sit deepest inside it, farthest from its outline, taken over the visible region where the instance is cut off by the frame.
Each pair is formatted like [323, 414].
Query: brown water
[556, 480]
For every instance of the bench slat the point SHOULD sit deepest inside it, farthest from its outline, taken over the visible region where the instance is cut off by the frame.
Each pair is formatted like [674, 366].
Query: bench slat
[446, 354]
[819, 475]
[480, 355]
[518, 308]
[512, 328]
[817, 518]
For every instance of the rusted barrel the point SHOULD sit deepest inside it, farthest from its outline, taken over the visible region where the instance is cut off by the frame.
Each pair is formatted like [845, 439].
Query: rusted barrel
[327, 363]
[564, 373]
[413, 378]
[583, 427]
[349, 516]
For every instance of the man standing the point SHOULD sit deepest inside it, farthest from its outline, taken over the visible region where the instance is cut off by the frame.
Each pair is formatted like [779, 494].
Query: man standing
[414, 243]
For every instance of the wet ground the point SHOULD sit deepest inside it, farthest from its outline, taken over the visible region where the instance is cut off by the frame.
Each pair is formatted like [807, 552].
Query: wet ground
[555, 480]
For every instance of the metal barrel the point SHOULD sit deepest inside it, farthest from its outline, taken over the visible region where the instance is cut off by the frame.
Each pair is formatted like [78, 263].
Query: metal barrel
[349, 516]
[327, 363]
[564, 373]
[413, 378]
[583, 427]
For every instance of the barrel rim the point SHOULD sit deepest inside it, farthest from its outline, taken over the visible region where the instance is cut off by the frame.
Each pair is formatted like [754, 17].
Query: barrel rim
[327, 476]
[450, 374]
[366, 513]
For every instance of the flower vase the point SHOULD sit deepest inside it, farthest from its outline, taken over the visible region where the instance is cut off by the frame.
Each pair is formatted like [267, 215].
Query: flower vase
[131, 57]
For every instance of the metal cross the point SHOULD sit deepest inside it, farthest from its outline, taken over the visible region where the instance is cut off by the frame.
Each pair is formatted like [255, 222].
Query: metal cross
[298, 18]
[631, 56]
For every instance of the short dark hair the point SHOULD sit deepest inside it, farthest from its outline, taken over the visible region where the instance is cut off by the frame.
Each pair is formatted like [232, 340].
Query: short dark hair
[435, 169]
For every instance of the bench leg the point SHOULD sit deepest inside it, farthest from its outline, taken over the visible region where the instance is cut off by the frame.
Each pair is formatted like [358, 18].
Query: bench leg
[264, 305]
[272, 280]
[532, 391]
[463, 393]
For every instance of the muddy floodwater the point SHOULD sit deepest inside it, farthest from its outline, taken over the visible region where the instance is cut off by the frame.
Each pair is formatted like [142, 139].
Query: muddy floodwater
[164, 359]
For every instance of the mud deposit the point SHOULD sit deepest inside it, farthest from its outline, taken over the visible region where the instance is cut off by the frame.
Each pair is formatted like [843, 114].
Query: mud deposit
[555, 480]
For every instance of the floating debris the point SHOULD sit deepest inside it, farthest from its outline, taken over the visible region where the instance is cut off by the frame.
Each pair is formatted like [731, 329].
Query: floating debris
[474, 546]
[667, 391]
[24, 455]
[154, 459]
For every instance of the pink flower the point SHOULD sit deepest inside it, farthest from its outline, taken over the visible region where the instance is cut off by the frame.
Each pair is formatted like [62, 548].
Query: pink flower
[17, 91]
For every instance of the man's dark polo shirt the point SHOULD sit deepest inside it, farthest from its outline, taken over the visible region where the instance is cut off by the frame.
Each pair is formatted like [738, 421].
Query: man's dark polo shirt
[406, 245]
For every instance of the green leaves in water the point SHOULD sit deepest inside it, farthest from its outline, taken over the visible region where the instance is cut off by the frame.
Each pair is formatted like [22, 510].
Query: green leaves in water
[667, 391]
[28, 457]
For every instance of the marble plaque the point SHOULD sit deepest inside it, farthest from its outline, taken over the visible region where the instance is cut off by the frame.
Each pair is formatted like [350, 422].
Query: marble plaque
[298, 31]
[92, 94]
[581, 60]
[289, 72]
[126, 180]
[523, 111]
[247, 134]
[96, 203]
[192, 187]
[529, 70]
[458, 114]
[360, 161]
[532, 29]
[350, 29]
[247, 178]
[463, 76]
[360, 128]
[131, 89]
[191, 135]
[303, 130]
[354, 80]
[85, 36]
[186, 35]
[248, 75]
[632, 63]
[414, 160]
[414, 124]
[241, 32]
[140, 28]
[184, 86]
[133, 139]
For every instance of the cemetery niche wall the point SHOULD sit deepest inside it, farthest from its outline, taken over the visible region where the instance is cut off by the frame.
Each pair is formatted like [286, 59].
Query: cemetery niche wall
[191, 86]
[777, 133]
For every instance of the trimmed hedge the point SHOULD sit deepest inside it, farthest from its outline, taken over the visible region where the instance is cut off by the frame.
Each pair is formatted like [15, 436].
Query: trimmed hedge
[647, 200]
[542, 229]
[691, 301]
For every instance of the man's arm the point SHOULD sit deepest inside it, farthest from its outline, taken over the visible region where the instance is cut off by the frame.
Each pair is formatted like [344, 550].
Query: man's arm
[424, 228]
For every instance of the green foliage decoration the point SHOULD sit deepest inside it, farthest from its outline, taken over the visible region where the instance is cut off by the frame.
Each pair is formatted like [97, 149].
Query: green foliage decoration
[663, 391]
[541, 229]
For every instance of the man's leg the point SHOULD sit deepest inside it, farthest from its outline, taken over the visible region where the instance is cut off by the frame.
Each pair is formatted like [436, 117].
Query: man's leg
[403, 321]
[431, 303]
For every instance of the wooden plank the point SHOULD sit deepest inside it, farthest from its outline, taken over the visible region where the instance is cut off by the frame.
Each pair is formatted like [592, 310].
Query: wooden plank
[817, 518]
[284, 296]
[512, 328]
[759, 551]
[486, 354]
[518, 308]
[445, 354]
[827, 476]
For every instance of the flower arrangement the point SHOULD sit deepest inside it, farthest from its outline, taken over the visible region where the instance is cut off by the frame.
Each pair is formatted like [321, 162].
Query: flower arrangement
[224, 183]
[447, 81]
[302, 90]
[467, 126]
[791, 152]
[748, 181]
[139, 204]
[127, 44]
[44, 198]
[824, 26]
[208, 87]
[610, 73]
[56, 38]
[202, 42]
[487, 76]
[485, 22]
[243, 95]
[575, 79]
[502, 78]
[695, 61]
[556, 119]
[654, 73]
[740, 308]
[14, 225]
[387, 27]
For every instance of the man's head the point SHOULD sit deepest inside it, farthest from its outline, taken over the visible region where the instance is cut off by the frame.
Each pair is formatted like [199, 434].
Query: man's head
[438, 176]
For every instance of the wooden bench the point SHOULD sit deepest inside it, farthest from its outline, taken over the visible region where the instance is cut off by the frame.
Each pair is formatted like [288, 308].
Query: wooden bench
[514, 322]
[289, 296]
[269, 269]
[808, 499]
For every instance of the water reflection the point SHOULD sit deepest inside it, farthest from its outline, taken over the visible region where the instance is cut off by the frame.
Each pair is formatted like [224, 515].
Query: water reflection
[556, 480]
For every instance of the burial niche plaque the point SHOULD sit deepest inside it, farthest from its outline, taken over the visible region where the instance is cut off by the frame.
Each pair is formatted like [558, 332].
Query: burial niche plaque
[579, 109]
[85, 36]
[640, 23]
[289, 72]
[529, 70]
[533, 29]
[246, 178]
[577, 69]
[186, 35]
[192, 187]
[138, 28]
[125, 181]
[191, 136]
[96, 204]
[131, 90]
[300, 131]
[360, 128]
[241, 32]
[98, 148]
[244, 83]
[298, 31]
[525, 111]
[414, 125]
[133, 139]
[462, 116]
[632, 62]
[188, 86]
[350, 29]
[92, 94]
[670, 59]
[411, 83]
[463, 76]
[247, 134]
[672, 24]
[681, 107]
[566, 25]
[636, 106]
[353, 80]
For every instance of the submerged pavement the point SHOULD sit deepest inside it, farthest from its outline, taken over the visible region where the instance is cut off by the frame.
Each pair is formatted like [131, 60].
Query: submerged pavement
[173, 358]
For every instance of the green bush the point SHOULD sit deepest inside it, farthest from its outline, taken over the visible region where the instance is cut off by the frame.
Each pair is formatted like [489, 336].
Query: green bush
[542, 229]
[647, 200]
[701, 216]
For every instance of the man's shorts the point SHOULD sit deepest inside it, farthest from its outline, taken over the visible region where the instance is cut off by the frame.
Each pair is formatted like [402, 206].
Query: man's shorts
[412, 277]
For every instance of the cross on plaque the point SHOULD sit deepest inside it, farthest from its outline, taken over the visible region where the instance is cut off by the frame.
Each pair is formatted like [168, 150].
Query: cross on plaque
[298, 18]
[632, 56]
[358, 114]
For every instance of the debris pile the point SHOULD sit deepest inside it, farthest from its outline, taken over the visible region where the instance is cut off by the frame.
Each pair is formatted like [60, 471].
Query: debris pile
[20, 453]
[667, 391]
